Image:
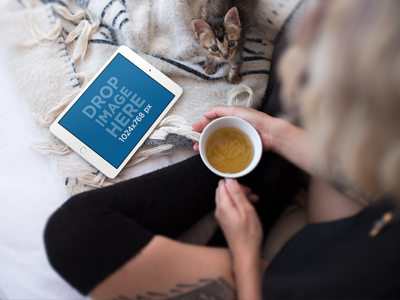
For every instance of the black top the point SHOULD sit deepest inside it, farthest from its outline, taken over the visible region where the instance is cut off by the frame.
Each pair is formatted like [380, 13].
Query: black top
[337, 260]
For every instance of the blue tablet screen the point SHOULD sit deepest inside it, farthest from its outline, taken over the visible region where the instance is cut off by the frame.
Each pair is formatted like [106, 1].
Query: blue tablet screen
[117, 110]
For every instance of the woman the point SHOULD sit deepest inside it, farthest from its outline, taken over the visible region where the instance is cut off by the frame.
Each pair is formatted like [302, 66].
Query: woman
[339, 80]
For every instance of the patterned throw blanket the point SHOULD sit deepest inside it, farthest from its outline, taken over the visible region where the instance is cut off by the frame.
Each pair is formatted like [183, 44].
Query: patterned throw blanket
[53, 47]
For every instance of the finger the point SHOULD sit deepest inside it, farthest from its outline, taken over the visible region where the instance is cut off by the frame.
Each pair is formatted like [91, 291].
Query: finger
[224, 199]
[196, 145]
[220, 111]
[253, 198]
[199, 126]
[246, 190]
[244, 113]
[236, 194]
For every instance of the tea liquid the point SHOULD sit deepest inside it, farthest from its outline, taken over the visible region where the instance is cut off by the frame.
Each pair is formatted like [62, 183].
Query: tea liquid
[229, 150]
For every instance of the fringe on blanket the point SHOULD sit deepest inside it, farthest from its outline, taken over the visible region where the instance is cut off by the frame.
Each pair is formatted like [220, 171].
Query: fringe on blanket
[39, 36]
[170, 125]
[82, 32]
[49, 147]
[88, 24]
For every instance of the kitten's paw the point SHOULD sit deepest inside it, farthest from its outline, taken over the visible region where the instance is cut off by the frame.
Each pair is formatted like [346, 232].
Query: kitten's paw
[234, 79]
[210, 69]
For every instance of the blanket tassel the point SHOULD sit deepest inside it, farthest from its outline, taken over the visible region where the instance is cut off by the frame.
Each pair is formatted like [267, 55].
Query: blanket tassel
[174, 125]
[145, 154]
[239, 94]
[49, 147]
[93, 180]
[82, 32]
[39, 35]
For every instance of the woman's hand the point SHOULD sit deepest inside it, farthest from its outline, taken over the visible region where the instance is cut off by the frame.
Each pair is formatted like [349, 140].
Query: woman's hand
[238, 219]
[242, 228]
[260, 121]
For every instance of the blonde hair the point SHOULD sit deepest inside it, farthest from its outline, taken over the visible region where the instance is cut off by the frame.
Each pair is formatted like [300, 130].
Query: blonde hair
[342, 75]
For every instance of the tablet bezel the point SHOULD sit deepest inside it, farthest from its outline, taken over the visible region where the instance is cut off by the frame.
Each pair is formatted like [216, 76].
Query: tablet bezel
[91, 156]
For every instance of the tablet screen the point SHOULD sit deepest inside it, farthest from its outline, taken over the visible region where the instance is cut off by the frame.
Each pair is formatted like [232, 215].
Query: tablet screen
[119, 107]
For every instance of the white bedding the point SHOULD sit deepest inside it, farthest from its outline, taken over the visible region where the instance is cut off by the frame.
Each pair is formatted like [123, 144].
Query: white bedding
[29, 192]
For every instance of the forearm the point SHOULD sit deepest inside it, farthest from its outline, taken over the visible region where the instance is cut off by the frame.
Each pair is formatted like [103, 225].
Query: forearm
[248, 274]
[167, 269]
[291, 142]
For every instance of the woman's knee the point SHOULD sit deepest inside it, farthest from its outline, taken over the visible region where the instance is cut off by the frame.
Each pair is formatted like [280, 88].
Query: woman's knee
[87, 239]
[67, 235]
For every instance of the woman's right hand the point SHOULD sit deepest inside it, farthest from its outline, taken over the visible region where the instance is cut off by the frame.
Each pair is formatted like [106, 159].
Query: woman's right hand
[260, 121]
[243, 231]
[239, 220]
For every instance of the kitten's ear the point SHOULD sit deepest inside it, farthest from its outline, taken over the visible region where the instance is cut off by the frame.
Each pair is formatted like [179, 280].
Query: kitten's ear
[200, 27]
[232, 18]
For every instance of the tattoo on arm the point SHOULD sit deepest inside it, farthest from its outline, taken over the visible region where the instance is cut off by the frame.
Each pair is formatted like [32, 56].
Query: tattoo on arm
[204, 289]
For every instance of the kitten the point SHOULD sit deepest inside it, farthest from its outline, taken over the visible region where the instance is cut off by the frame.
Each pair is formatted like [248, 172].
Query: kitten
[221, 31]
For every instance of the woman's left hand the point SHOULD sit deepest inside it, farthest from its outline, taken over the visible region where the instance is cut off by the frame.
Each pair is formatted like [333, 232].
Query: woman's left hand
[239, 220]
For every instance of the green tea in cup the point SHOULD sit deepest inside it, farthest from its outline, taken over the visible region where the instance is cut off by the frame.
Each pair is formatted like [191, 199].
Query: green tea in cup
[229, 150]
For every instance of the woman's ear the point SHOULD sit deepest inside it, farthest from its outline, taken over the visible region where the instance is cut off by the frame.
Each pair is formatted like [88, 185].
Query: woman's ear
[232, 18]
[200, 27]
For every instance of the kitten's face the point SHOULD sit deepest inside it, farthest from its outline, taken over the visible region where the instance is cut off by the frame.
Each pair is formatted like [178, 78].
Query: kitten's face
[220, 40]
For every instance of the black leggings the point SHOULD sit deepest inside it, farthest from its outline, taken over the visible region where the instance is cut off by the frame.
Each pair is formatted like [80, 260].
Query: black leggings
[96, 232]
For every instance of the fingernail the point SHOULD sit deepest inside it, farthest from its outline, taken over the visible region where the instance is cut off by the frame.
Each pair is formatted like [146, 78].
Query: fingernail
[230, 180]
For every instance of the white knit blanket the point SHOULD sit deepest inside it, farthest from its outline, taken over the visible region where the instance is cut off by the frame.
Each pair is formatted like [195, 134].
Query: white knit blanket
[54, 46]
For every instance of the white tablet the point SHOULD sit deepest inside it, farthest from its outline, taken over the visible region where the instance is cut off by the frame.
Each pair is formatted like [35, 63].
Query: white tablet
[115, 113]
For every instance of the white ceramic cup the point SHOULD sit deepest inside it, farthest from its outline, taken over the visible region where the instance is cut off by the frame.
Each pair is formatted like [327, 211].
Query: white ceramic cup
[238, 123]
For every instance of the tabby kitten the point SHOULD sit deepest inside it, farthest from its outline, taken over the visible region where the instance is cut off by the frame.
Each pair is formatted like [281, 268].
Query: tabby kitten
[221, 31]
